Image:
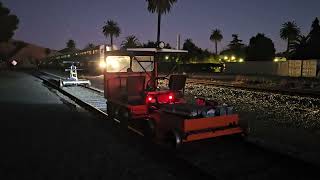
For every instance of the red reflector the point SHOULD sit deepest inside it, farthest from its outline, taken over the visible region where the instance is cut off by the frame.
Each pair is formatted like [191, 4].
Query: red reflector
[170, 97]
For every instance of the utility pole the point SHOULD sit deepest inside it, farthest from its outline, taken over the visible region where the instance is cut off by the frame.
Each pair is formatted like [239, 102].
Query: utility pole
[178, 42]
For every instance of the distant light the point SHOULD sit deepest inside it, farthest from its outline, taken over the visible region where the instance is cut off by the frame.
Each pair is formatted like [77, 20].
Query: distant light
[102, 65]
[170, 97]
[226, 57]
[14, 63]
[108, 48]
[276, 60]
[241, 60]
[233, 57]
[112, 63]
[167, 57]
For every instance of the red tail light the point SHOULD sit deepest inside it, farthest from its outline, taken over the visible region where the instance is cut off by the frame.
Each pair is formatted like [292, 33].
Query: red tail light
[170, 97]
[150, 99]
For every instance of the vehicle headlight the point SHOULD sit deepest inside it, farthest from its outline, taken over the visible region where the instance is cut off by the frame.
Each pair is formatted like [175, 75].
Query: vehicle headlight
[102, 64]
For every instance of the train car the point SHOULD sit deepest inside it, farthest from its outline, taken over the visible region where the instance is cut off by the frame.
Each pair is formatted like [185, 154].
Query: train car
[88, 60]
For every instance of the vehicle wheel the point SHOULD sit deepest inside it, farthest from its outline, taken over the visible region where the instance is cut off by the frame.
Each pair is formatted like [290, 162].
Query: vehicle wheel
[174, 139]
[123, 116]
[110, 111]
[60, 83]
[149, 129]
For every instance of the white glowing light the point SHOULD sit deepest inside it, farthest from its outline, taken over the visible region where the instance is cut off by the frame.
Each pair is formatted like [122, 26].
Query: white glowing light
[233, 57]
[102, 65]
[241, 60]
[112, 63]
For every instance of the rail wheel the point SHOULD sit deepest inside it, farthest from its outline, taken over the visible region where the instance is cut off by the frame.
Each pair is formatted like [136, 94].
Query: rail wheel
[149, 128]
[174, 139]
[110, 110]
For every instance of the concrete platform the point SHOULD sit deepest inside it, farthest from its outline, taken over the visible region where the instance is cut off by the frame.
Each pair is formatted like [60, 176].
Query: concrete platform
[43, 138]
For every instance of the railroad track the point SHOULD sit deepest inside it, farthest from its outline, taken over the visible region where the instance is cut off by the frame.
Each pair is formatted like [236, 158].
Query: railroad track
[282, 91]
[221, 158]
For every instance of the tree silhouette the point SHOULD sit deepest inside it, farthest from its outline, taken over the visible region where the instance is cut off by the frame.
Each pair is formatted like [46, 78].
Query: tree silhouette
[289, 31]
[90, 46]
[216, 37]
[111, 29]
[261, 48]
[71, 44]
[299, 47]
[194, 52]
[235, 48]
[236, 43]
[314, 40]
[160, 7]
[307, 47]
[130, 42]
[47, 51]
[9, 23]
[152, 44]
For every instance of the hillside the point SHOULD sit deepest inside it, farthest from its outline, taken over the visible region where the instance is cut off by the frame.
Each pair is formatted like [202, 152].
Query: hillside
[27, 55]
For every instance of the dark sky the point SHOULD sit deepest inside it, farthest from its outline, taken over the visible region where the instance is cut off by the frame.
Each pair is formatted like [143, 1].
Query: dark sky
[51, 23]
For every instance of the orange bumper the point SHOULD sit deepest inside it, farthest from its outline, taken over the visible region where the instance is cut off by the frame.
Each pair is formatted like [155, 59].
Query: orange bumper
[204, 128]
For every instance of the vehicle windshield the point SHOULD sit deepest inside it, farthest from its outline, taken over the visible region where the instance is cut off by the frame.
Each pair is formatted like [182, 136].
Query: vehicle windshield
[122, 63]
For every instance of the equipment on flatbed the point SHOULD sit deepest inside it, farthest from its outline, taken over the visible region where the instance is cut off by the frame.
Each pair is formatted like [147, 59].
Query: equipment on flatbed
[130, 87]
[73, 77]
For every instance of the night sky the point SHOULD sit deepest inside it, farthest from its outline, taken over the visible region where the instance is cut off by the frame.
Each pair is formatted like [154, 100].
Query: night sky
[51, 23]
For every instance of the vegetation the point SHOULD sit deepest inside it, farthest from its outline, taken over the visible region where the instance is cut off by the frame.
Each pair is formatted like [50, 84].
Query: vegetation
[235, 48]
[289, 31]
[71, 44]
[160, 7]
[307, 47]
[195, 53]
[47, 51]
[216, 37]
[111, 29]
[90, 46]
[152, 44]
[9, 23]
[260, 48]
[130, 42]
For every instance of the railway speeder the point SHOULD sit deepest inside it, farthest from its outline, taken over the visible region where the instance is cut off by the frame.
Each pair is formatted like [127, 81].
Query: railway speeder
[163, 113]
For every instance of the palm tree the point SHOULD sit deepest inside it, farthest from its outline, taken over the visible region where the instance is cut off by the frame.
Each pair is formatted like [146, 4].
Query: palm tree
[299, 47]
[111, 29]
[130, 42]
[289, 31]
[160, 7]
[216, 37]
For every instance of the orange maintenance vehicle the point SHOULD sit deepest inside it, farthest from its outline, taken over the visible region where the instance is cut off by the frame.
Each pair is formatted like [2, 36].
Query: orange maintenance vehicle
[163, 113]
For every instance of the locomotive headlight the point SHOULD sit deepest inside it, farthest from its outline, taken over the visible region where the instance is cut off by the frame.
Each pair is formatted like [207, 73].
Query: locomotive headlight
[102, 64]
[112, 63]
